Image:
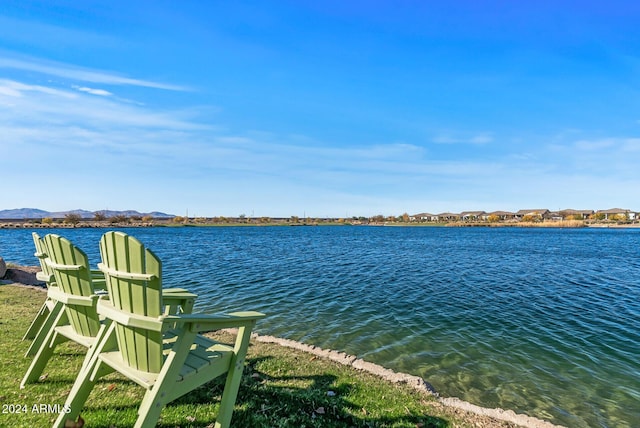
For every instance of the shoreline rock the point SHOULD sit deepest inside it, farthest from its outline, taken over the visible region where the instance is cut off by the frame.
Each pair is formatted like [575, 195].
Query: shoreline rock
[25, 275]
[416, 382]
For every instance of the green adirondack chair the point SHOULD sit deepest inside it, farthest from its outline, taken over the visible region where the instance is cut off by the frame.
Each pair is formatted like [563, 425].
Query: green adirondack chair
[46, 276]
[162, 353]
[72, 314]
[36, 331]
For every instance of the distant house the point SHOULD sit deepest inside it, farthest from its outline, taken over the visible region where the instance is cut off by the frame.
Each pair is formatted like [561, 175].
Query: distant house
[471, 215]
[502, 215]
[542, 213]
[555, 216]
[425, 217]
[448, 217]
[615, 212]
[585, 214]
[539, 214]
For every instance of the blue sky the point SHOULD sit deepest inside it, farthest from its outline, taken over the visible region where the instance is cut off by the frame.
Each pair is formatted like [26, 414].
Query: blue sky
[332, 108]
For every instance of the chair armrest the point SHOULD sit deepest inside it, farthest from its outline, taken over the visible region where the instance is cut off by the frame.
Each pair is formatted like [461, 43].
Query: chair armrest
[177, 296]
[70, 299]
[194, 322]
[202, 323]
[41, 276]
[174, 297]
[174, 290]
[106, 308]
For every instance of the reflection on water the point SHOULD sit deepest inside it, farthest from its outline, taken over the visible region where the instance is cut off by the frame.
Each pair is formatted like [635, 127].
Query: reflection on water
[541, 321]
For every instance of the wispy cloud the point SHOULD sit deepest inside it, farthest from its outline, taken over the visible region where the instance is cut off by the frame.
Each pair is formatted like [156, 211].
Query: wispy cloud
[463, 138]
[631, 144]
[594, 145]
[33, 114]
[16, 89]
[49, 119]
[41, 105]
[93, 91]
[612, 159]
[608, 145]
[82, 74]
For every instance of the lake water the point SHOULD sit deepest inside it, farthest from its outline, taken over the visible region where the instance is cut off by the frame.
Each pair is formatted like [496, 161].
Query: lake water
[540, 321]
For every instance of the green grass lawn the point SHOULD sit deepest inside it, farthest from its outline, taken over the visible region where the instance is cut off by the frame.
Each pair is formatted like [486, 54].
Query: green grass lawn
[281, 387]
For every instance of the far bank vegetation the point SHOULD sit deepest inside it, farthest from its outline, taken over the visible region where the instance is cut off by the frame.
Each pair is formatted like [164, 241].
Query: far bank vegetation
[523, 218]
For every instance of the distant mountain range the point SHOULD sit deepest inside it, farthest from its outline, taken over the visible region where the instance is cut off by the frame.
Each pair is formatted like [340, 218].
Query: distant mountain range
[30, 213]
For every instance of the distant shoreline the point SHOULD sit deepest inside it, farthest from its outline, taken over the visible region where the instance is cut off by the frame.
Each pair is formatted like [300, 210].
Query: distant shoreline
[567, 224]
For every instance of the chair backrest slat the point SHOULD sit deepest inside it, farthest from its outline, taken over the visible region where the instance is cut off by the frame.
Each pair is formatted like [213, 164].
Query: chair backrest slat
[133, 275]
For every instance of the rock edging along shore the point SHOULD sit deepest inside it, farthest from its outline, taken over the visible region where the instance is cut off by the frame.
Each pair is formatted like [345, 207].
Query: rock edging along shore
[415, 382]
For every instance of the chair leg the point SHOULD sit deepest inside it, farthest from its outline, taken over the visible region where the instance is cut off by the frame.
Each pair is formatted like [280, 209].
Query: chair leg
[37, 322]
[42, 356]
[232, 384]
[77, 397]
[229, 396]
[150, 408]
[92, 370]
[157, 397]
[47, 324]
